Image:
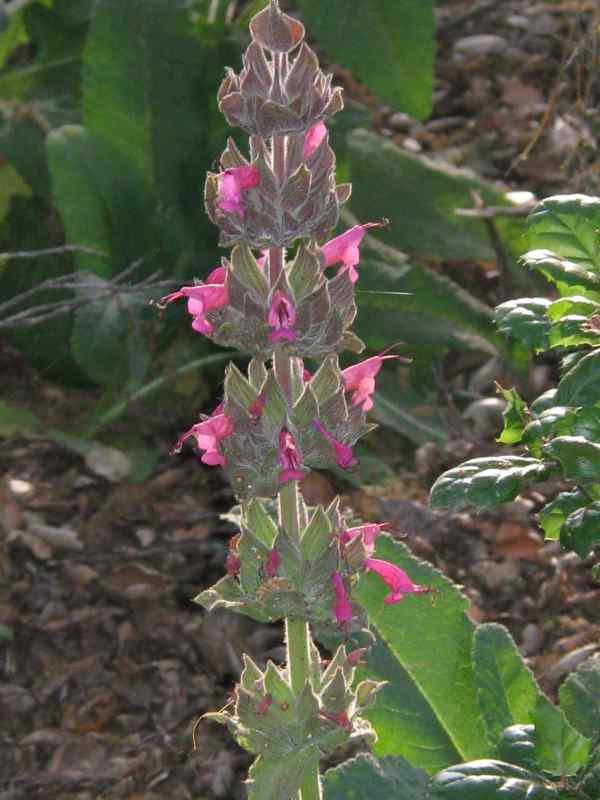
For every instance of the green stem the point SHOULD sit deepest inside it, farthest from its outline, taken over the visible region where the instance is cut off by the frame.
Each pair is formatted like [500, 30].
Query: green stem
[297, 633]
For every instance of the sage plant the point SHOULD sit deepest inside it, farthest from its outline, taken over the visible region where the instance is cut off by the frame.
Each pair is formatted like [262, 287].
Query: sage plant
[276, 298]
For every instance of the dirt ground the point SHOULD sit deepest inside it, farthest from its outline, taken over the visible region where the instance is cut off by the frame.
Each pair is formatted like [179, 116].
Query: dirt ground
[105, 663]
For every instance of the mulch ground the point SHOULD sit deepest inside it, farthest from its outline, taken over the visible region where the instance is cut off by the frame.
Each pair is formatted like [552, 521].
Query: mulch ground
[105, 663]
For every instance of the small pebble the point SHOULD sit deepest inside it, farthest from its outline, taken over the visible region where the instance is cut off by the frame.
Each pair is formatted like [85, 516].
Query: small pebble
[401, 121]
[411, 145]
[481, 44]
[533, 637]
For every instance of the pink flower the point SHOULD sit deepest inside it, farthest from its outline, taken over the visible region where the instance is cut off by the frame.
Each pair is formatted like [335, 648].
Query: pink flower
[272, 563]
[395, 578]
[257, 407]
[209, 434]
[281, 318]
[369, 533]
[343, 452]
[343, 608]
[314, 137]
[341, 719]
[290, 458]
[360, 380]
[202, 298]
[355, 657]
[232, 183]
[344, 249]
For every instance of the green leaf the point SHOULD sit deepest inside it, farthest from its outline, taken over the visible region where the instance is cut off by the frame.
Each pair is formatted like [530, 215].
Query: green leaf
[567, 306]
[421, 197]
[275, 778]
[562, 421]
[428, 713]
[517, 746]
[392, 411]
[390, 778]
[515, 417]
[580, 698]
[149, 84]
[570, 332]
[101, 201]
[579, 459]
[568, 225]
[434, 309]
[506, 689]
[490, 780]
[525, 319]
[486, 481]
[569, 278]
[396, 51]
[559, 748]
[581, 384]
[581, 530]
[553, 515]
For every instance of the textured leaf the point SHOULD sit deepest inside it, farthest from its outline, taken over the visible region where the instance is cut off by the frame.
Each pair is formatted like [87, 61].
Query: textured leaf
[397, 46]
[517, 746]
[390, 778]
[572, 305]
[559, 748]
[581, 530]
[568, 277]
[581, 384]
[568, 225]
[579, 459]
[149, 87]
[100, 199]
[570, 331]
[553, 515]
[428, 713]
[580, 698]
[434, 309]
[515, 417]
[490, 780]
[506, 689]
[486, 481]
[421, 197]
[525, 319]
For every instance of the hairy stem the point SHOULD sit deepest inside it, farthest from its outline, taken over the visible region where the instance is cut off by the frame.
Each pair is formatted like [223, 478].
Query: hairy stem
[288, 371]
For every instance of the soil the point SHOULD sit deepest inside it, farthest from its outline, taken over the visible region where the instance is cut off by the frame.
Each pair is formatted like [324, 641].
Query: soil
[106, 664]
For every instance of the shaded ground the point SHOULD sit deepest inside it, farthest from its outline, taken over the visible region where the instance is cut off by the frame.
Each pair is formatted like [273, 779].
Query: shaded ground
[105, 663]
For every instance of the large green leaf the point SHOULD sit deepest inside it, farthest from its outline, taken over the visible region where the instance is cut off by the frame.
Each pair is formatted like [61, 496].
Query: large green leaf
[434, 308]
[525, 320]
[568, 225]
[581, 384]
[581, 530]
[102, 201]
[491, 780]
[580, 698]
[387, 44]
[553, 515]
[567, 276]
[149, 91]
[506, 689]
[390, 778]
[420, 198]
[579, 459]
[559, 748]
[428, 714]
[486, 481]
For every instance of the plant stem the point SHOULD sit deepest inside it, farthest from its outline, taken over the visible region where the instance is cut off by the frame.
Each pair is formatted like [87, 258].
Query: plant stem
[297, 633]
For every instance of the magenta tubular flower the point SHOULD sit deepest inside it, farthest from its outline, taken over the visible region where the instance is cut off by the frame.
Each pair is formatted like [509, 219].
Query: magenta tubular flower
[395, 578]
[208, 435]
[344, 249]
[343, 453]
[232, 184]
[343, 607]
[281, 318]
[272, 563]
[360, 380]
[208, 296]
[314, 137]
[369, 533]
[290, 458]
